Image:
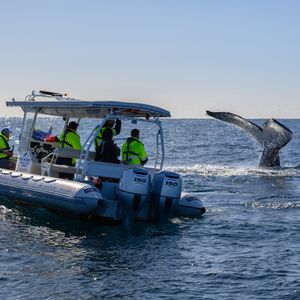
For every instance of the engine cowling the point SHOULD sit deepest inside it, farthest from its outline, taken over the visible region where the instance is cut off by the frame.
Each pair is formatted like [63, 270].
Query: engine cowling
[133, 192]
[165, 193]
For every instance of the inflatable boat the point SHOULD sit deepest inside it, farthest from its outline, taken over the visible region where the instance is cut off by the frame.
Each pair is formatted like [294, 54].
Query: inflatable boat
[125, 194]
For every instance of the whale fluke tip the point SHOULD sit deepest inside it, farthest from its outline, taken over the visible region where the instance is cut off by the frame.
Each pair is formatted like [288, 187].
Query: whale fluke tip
[209, 113]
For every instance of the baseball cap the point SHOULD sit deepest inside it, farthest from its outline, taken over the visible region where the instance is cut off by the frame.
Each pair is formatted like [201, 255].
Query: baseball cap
[5, 130]
[73, 125]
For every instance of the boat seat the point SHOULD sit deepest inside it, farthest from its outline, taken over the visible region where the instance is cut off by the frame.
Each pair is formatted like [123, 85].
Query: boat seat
[71, 153]
[52, 170]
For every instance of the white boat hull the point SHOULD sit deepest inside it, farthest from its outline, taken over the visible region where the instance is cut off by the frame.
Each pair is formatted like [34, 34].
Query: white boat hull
[85, 201]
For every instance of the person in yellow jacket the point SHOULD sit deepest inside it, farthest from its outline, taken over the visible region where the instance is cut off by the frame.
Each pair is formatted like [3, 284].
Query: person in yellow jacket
[115, 127]
[5, 152]
[133, 150]
[69, 139]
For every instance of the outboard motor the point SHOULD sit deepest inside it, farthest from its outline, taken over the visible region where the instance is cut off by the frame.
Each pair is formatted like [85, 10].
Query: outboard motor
[133, 193]
[165, 192]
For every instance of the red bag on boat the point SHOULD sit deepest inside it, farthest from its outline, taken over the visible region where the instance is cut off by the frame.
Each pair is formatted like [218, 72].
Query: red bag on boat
[52, 138]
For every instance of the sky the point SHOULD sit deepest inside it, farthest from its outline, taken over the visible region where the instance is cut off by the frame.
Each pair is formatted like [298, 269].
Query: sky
[187, 56]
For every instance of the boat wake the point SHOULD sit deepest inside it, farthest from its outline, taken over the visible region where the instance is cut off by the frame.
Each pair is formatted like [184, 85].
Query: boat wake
[4, 210]
[7, 213]
[273, 204]
[227, 171]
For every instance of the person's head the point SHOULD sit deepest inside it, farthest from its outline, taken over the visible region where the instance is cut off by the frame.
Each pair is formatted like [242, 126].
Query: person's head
[107, 134]
[5, 131]
[135, 133]
[109, 123]
[73, 125]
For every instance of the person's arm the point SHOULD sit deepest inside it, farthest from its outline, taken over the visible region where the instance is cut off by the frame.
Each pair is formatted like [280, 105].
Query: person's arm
[118, 126]
[124, 150]
[143, 154]
[117, 149]
[143, 162]
[8, 152]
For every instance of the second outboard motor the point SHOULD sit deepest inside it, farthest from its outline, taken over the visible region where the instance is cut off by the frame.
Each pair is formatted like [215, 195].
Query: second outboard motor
[165, 192]
[133, 193]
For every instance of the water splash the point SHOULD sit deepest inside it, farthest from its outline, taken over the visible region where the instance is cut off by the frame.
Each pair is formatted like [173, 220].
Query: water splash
[4, 210]
[226, 171]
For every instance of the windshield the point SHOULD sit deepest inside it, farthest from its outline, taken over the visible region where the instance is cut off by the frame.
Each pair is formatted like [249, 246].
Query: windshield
[148, 136]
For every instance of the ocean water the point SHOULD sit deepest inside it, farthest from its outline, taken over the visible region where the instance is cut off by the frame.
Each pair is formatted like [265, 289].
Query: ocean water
[247, 245]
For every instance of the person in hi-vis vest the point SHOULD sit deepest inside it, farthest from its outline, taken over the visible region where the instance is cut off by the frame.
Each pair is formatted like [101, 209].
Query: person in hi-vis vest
[114, 126]
[5, 151]
[133, 150]
[69, 139]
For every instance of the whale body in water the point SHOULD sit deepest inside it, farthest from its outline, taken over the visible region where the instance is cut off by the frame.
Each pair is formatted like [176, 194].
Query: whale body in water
[272, 135]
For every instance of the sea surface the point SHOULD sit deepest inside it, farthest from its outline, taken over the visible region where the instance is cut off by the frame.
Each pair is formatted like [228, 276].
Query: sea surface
[247, 245]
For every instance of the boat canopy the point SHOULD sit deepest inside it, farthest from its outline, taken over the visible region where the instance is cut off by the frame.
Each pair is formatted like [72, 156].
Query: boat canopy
[73, 108]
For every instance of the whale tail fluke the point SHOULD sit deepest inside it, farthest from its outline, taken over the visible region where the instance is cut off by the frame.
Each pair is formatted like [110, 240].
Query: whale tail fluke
[251, 128]
[272, 136]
